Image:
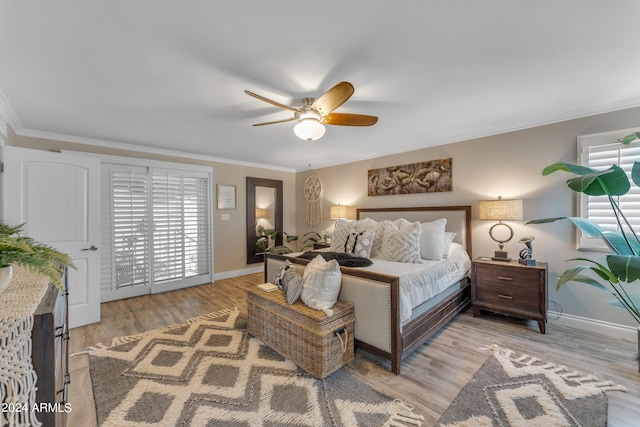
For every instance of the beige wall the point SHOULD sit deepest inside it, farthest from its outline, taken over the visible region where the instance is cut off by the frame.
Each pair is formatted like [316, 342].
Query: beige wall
[229, 236]
[509, 165]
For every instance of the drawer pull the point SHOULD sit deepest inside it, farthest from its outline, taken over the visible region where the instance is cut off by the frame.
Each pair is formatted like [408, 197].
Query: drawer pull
[505, 278]
[505, 296]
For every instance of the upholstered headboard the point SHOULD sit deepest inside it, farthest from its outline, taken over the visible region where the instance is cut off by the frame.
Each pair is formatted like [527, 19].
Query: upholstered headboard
[458, 218]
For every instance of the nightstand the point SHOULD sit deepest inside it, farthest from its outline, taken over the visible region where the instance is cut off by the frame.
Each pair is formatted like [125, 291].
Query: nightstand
[321, 245]
[510, 288]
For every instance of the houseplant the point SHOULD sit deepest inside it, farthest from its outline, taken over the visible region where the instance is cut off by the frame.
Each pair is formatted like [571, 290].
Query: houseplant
[24, 251]
[620, 274]
[294, 243]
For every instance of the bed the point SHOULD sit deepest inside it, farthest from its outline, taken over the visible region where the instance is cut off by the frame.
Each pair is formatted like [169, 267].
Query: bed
[383, 325]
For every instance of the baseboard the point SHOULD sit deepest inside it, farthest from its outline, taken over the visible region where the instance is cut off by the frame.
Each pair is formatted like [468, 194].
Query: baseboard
[240, 272]
[601, 327]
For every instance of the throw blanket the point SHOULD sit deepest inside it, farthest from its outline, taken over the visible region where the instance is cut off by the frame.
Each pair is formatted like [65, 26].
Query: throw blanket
[343, 259]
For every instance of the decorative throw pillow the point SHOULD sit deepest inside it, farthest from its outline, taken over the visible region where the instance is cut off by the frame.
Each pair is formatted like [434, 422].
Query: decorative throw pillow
[339, 235]
[321, 284]
[292, 284]
[432, 239]
[277, 278]
[347, 239]
[402, 245]
[448, 239]
[370, 224]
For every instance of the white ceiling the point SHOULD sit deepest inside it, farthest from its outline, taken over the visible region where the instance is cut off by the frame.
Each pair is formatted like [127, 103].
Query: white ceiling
[169, 75]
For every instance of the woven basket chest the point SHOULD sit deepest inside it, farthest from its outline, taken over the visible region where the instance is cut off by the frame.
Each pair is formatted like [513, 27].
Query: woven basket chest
[317, 343]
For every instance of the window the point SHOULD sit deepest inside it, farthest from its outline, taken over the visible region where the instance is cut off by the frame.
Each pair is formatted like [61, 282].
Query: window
[600, 151]
[156, 228]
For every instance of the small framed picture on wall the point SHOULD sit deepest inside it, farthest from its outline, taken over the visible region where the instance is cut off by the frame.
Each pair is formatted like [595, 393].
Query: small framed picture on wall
[226, 196]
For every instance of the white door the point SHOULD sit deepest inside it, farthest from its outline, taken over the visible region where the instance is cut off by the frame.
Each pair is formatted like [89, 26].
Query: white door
[57, 196]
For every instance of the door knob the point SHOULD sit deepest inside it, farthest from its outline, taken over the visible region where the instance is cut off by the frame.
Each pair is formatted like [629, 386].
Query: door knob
[90, 248]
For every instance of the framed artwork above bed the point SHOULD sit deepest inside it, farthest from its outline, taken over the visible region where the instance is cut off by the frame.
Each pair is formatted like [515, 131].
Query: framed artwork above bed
[424, 177]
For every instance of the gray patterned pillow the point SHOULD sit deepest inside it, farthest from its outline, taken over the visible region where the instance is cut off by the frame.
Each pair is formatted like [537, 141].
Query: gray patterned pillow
[292, 284]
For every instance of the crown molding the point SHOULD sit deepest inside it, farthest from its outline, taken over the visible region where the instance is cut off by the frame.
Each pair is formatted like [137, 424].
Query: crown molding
[143, 149]
[513, 127]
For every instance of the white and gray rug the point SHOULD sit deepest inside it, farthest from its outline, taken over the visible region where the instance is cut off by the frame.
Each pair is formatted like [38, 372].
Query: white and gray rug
[521, 390]
[210, 372]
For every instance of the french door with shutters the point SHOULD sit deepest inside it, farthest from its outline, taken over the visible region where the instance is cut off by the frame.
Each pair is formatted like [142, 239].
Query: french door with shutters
[156, 229]
[57, 197]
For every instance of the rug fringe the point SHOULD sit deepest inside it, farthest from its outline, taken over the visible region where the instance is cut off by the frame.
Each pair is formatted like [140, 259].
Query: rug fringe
[404, 416]
[561, 371]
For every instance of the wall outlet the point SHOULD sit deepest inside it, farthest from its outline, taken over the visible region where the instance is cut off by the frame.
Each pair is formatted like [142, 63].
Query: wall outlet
[224, 217]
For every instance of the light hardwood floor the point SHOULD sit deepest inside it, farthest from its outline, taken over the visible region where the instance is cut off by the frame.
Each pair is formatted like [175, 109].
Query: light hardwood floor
[430, 378]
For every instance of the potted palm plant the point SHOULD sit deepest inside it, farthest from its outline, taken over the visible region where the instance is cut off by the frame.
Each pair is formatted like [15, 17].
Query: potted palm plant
[24, 251]
[620, 274]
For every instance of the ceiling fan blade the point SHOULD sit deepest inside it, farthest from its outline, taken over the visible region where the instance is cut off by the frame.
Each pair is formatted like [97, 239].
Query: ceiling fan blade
[274, 122]
[270, 101]
[342, 119]
[333, 98]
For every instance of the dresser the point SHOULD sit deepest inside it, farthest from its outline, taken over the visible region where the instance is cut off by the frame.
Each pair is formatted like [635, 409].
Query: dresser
[510, 288]
[50, 356]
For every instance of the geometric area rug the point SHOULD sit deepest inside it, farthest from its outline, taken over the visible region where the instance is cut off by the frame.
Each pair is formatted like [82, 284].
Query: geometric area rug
[210, 372]
[521, 390]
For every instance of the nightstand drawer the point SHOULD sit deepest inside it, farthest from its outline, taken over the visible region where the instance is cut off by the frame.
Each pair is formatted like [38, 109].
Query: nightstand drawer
[510, 295]
[504, 275]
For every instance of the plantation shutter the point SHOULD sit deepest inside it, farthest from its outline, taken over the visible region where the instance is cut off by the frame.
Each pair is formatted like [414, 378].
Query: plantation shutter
[600, 152]
[156, 230]
[181, 232]
[125, 231]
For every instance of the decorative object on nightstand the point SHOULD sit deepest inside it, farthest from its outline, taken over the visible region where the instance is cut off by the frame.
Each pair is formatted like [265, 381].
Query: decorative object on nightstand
[321, 245]
[501, 210]
[527, 252]
[510, 288]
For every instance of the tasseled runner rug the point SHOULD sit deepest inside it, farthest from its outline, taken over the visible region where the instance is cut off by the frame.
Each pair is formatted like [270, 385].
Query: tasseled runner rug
[521, 390]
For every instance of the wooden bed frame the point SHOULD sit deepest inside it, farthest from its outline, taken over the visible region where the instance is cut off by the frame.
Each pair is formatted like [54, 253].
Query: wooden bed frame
[403, 340]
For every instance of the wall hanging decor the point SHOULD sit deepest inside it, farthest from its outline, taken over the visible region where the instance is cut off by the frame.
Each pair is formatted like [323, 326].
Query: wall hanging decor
[424, 177]
[312, 193]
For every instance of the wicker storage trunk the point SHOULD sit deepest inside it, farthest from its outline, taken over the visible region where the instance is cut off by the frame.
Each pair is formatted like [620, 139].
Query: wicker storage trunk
[317, 343]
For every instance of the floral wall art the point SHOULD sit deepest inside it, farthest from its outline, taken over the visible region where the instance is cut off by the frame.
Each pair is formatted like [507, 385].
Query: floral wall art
[424, 177]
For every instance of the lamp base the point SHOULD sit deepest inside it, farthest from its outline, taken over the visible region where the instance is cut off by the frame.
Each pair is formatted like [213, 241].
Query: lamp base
[501, 256]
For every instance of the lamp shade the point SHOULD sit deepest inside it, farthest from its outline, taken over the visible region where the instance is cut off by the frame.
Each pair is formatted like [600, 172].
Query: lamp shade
[261, 213]
[309, 129]
[501, 209]
[338, 212]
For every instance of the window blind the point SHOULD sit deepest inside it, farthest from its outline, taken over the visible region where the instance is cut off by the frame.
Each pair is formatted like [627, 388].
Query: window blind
[155, 230]
[600, 152]
[180, 225]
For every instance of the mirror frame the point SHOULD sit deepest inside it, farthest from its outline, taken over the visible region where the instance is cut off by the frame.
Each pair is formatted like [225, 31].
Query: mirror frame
[252, 183]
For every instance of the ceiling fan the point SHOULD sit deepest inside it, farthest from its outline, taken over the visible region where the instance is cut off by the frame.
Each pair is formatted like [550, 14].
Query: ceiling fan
[315, 113]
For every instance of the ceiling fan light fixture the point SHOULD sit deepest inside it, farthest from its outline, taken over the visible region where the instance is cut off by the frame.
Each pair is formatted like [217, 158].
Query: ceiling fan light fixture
[309, 129]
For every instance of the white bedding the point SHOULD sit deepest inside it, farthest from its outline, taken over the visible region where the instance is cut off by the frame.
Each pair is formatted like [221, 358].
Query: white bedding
[420, 282]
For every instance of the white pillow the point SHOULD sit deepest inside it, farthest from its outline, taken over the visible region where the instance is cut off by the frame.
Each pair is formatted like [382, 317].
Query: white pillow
[321, 284]
[356, 243]
[402, 245]
[432, 239]
[339, 235]
[370, 224]
[448, 239]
